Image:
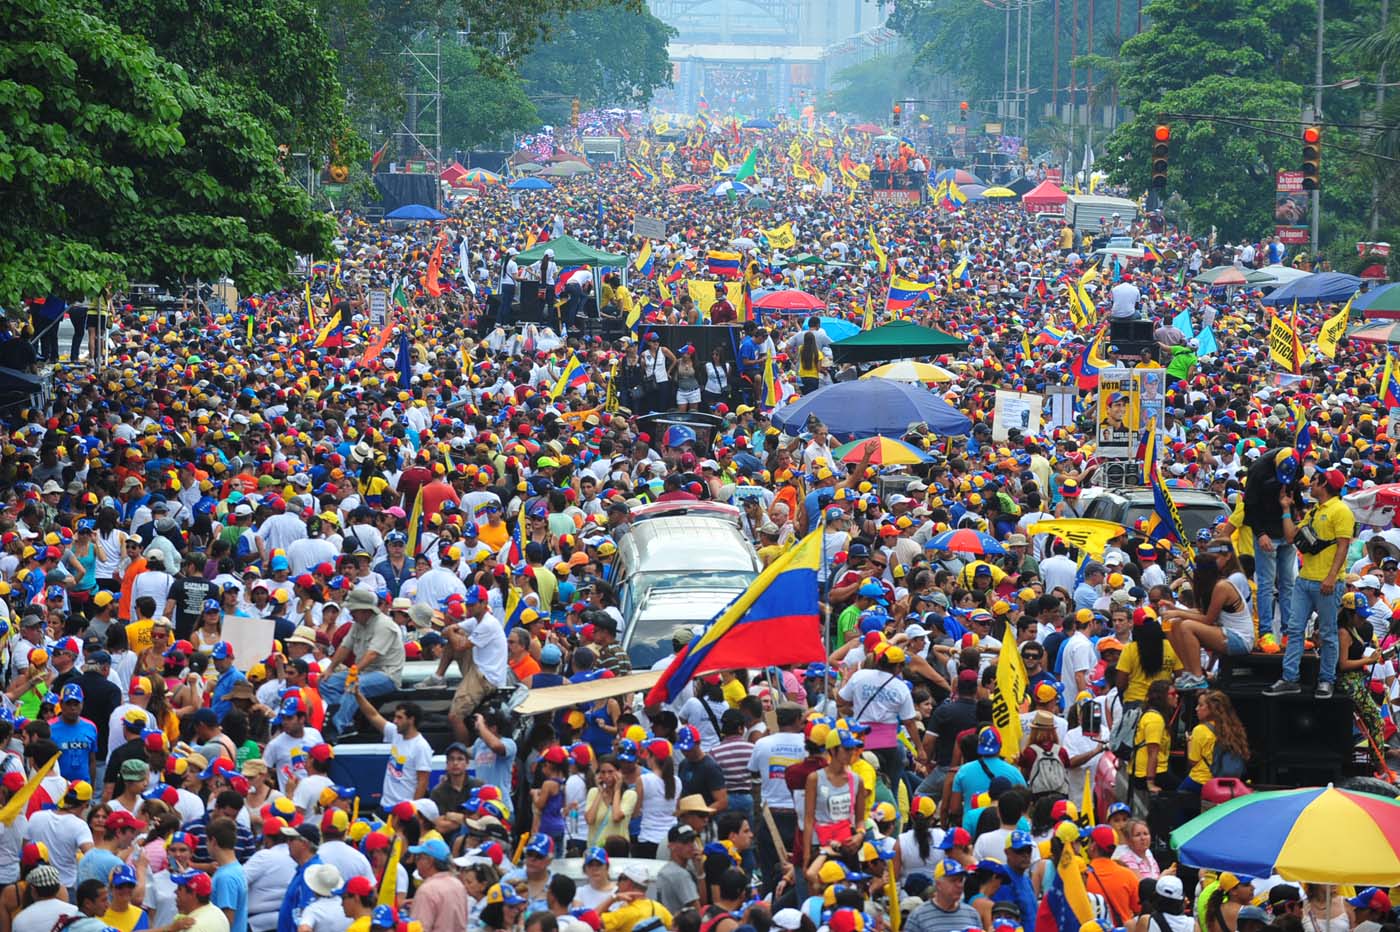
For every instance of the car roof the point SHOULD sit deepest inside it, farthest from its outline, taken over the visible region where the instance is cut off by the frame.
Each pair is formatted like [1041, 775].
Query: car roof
[686, 544]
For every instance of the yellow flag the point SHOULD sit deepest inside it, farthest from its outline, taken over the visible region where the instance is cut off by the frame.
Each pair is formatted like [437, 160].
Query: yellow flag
[1010, 692]
[414, 520]
[719, 162]
[879, 250]
[1283, 343]
[1333, 329]
[801, 173]
[530, 239]
[662, 289]
[795, 151]
[667, 171]
[781, 237]
[1086, 804]
[1076, 313]
[703, 294]
[311, 308]
[20, 801]
[869, 322]
[1090, 535]
[388, 887]
[861, 171]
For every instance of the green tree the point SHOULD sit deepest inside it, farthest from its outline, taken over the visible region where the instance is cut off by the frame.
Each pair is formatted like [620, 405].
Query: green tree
[867, 89]
[114, 167]
[480, 105]
[610, 56]
[1224, 174]
[271, 58]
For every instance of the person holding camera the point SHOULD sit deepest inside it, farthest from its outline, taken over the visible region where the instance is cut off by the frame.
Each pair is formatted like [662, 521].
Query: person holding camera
[1322, 538]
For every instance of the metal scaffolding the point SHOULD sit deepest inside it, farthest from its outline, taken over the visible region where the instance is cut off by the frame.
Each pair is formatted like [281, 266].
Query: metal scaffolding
[419, 134]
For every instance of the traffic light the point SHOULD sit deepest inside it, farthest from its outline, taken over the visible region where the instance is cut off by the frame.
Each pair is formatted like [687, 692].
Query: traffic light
[962, 112]
[1312, 158]
[895, 114]
[573, 114]
[1161, 144]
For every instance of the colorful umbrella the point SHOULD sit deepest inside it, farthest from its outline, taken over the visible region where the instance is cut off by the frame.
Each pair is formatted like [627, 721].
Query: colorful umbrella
[1313, 835]
[480, 176]
[907, 370]
[965, 540]
[957, 176]
[790, 299]
[889, 452]
[1382, 330]
[1384, 298]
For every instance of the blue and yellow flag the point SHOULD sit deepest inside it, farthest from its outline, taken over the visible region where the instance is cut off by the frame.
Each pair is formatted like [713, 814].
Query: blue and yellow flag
[572, 371]
[415, 524]
[1165, 522]
[644, 262]
[904, 292]
[723, 264]
[774, 623]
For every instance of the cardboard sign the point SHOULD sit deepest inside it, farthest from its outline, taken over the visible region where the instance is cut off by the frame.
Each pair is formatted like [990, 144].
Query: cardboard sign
[251, 639]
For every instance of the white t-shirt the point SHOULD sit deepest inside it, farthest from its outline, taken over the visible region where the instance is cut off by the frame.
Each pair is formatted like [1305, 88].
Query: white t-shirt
[1077, 654]
[12, 838]
[63, 833]
[771, 757]
[42, 916]
[489, 648]
[278, 753]
[1125, 300]
[307, 797]
[324, 914]
[884, 697]
[408, 757]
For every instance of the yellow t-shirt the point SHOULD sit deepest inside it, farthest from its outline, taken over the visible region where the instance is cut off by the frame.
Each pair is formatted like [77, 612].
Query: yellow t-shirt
[1066, 238]
[1332, 520]
[126, 920]
[1130, 663]
[138, 635]
[625, 917]
[1151, 729]
[599, 832]
[1200, 751]
[1243, 537]
[866, 773]
[734, 693]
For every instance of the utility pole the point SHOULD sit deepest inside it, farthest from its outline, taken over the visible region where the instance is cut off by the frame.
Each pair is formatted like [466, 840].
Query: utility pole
[1380, 101]
[1317, 116]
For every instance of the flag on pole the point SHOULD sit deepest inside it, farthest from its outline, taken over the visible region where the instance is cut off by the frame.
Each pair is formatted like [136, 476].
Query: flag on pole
[879, 250]
[1333, 329]
[1012, 683]
[20, 800]
[1165, 522]
[389, 886]
[749, 168]
[415, 523]
[1390, 382]
[1284, 348]
[773, 623]
[571, 372]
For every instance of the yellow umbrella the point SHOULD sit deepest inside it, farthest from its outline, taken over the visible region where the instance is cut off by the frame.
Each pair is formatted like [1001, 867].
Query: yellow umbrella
[907, 370]
[998, 192]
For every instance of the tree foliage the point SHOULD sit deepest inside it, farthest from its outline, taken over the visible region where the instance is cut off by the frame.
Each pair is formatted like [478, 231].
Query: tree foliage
[115, 167]
[480, 105]
[867, 88]
[613, 55]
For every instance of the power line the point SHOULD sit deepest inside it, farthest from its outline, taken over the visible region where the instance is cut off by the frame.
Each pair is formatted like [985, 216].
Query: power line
[1240, 123]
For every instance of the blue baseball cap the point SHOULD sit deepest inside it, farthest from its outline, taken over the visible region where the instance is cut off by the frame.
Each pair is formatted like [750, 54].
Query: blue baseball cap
[384, 917]
[123, 876]
[222, 651]
[596, 855]
[71, 693]
[626, 751]
[540, 845]
[434, 848]
[211, 605]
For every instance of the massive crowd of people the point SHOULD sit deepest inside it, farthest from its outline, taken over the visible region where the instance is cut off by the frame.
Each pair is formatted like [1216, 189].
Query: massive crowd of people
[450, 500]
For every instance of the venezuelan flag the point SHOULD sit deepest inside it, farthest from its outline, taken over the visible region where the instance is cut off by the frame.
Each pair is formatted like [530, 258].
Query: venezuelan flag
[1086, 367]
[775, 622]
[1390, 383]
[1303, 441]
[1049, 336]
[772, 389]
[1165, 522]
[515, 608]
[644, 261]
[1149, 254]
[567, 378]
[1067, 905]
[954, 197]
[723, 264]
[905, 293]
[639, 171]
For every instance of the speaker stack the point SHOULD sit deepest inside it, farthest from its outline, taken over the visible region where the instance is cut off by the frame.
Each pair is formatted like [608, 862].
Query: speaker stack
[1132, 339]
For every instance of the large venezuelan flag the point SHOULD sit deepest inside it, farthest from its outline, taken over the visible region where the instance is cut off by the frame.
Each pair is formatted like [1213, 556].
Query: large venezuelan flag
[775, 622]
[723, 264]
[904, 293]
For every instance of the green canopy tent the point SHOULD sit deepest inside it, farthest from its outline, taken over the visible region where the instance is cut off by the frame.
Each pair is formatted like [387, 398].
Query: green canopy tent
[569, 251]
[899, 339]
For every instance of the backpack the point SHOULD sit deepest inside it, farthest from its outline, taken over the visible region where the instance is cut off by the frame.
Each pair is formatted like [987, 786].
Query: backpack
[1122, 738]
[1225, 763]
[1048, 776]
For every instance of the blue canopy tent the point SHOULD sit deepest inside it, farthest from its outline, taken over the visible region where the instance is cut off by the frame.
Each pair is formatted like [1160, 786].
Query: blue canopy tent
[415, 212]
[530, 184]
[1321, 288]
[873, 408]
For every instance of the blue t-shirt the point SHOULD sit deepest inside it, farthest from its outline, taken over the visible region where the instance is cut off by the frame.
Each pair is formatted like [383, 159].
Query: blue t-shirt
[231, 892]
[973, 777]
[75, 742]
[493, 769]
[748, 356]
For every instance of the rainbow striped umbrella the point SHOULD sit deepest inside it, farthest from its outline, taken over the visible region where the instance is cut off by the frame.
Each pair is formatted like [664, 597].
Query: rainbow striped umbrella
[1313, 835]
[965, 540]
[888, 452]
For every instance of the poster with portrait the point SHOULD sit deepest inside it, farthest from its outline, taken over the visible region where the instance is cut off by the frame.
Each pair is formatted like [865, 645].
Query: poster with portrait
[1292, 208]
[1016, 411]
[1152, 387]
[1118, 410]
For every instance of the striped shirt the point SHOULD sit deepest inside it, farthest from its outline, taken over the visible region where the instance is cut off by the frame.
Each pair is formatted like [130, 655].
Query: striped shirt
[732, 754]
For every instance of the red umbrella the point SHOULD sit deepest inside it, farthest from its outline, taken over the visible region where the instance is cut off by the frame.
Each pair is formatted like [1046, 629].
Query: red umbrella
[867, 128]
[686, 188]
[789, 299]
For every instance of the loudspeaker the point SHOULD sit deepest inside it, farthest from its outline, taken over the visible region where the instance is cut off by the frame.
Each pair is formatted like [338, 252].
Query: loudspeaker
[1257, 671]
[1129, 330]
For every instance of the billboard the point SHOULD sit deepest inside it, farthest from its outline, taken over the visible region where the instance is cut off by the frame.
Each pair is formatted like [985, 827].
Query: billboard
[1292, 209]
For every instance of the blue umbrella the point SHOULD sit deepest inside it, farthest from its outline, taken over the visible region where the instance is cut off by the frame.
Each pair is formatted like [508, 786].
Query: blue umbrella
[724, 187]
[530, 184]
[1320, 288]
[415, 212]
[839, 328]
[872, 407]
[760, 123]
